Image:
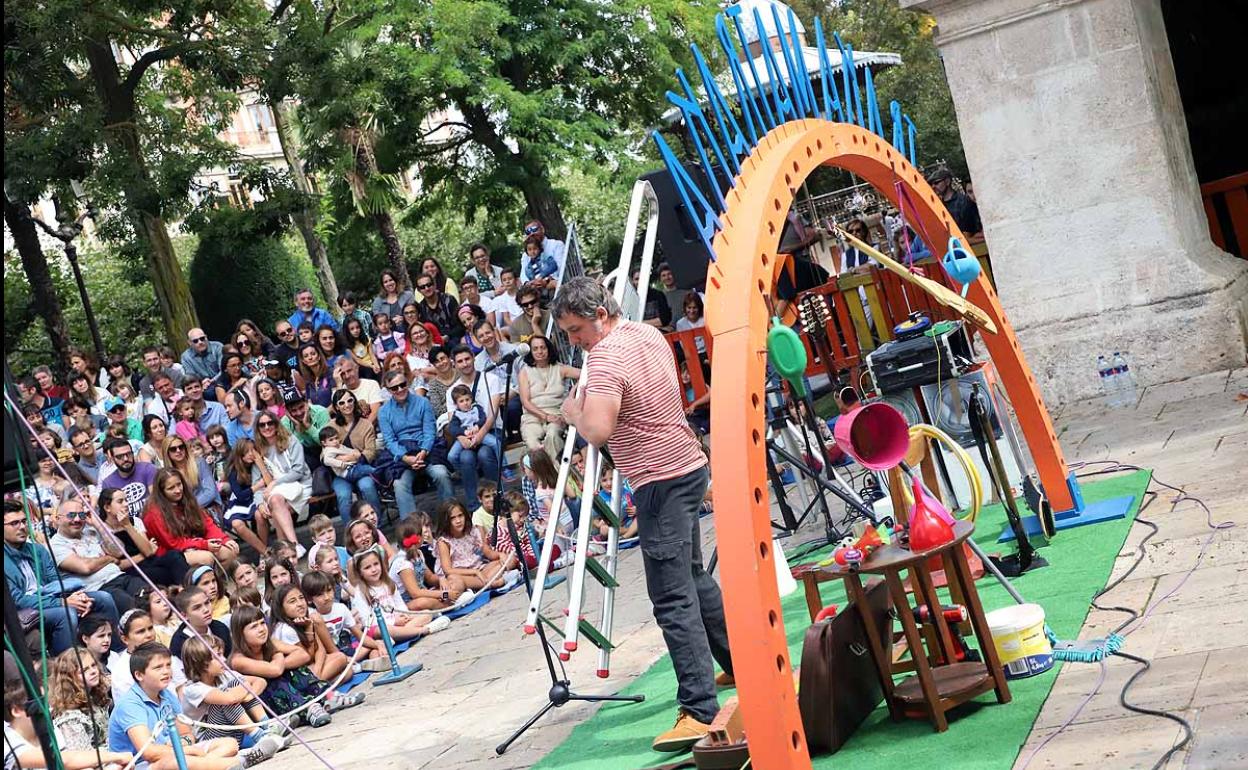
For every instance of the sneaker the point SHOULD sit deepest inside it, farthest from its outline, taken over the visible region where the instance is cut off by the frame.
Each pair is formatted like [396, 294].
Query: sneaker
[725, 680]
[299, 551]
[564, 560]
[375, 664]
[464, 599]
[552, 581]
[270, 744]
[343, 700]
[277, 728]
[440, 623]
[318, 716]
[686, 732]
[509, 475]
[254, 756]
[510, 578]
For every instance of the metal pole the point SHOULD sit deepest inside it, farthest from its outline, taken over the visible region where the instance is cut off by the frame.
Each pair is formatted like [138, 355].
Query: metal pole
[175, 740]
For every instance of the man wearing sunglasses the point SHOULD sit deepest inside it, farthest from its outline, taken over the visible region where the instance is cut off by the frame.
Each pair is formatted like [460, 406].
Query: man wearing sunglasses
[202, 358]
[33, 584]
[79, 551]
[437, 308]
[132, 477]
[407, 426]
[532, 319]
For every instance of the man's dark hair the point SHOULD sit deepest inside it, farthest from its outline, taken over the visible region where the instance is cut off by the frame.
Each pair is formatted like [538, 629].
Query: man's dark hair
[28, 381]
[455, 351]
[114, 442]
[345, 297]
[151, 349]
[473, 248]
[161, 375]
[437, 350]
[187, 595]
[481, 323]
[75, 432]
[14, 699]
[460, 390]
[142, 657]
[527, 291]
[467, 280]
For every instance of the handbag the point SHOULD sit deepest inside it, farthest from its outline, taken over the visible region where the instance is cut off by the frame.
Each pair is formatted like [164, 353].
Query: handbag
[839, 685]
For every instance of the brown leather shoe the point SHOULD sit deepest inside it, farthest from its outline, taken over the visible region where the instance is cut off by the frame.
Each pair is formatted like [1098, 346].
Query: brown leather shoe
[724, 680]
[682, 736]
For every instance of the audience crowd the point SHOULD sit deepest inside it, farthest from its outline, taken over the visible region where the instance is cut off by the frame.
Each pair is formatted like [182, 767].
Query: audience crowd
[201, 464]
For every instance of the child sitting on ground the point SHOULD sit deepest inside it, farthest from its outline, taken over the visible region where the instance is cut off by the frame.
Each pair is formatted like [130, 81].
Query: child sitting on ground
[195, 606]
[428, 543]
[463, 552]
[134, 721]
[249, 596]
[342, 625]
[137, 630]
[360, 509]
[78, 695]
[519, 511]
[95, 634]
[284, 667]
[293, 624]
[541, 470]
[628, 510]
[483, 517]
[325, 562]
[205, 577]
[277, 572]
[374, 588]
[21, 742]
[215, 695]
[345, 462]
[325, 536]
[420, 588]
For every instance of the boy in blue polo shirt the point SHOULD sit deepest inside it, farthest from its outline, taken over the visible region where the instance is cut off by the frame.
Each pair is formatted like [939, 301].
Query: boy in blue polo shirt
[139, 711]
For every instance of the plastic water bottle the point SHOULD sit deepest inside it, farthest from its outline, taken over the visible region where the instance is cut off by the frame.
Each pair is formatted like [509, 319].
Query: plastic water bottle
[1105, 373]
[1127, 389]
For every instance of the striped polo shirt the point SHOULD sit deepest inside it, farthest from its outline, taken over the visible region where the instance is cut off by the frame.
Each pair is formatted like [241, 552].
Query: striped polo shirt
[652, 439]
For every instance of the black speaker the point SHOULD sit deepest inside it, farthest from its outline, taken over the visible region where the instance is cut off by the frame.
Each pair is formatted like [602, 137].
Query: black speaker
[16, 441]
[678, 238]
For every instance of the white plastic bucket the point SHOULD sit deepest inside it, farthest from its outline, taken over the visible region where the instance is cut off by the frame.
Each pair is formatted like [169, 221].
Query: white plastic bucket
[1018, 634]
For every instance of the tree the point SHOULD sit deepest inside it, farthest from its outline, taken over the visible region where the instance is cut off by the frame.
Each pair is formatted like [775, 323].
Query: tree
[44, 301]
[522, 89]
[128, 97]
[306, 215]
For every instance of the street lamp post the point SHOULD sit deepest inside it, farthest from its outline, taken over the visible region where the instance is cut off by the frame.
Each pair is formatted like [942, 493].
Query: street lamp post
[67, 231]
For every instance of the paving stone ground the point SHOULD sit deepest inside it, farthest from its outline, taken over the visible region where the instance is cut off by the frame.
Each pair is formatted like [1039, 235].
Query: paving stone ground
[483, 677]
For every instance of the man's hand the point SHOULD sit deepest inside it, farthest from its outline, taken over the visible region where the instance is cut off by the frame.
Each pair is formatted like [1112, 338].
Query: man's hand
[80, 602]
[574, 405]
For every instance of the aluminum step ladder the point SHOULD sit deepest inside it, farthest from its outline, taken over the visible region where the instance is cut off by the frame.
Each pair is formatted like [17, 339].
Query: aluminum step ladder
[601, 568]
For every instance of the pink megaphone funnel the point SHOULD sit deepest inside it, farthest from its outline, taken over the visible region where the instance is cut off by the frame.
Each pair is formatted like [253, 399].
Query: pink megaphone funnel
[875, 435]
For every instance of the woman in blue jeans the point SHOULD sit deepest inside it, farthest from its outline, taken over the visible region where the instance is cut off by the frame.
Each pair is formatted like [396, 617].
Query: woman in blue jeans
[356, 433]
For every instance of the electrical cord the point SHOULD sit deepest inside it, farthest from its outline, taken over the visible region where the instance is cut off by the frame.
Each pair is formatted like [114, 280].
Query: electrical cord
[1136, 619]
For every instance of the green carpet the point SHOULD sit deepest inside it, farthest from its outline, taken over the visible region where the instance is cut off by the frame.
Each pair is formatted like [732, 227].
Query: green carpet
[982, 733]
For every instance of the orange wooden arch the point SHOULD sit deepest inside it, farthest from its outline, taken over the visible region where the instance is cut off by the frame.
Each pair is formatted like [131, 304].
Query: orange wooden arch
[737, 282]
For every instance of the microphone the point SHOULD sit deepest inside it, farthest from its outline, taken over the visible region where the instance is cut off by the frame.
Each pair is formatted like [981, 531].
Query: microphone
[521, 351]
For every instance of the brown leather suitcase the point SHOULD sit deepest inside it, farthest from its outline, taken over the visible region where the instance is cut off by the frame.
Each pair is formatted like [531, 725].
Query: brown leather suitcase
[839, 684]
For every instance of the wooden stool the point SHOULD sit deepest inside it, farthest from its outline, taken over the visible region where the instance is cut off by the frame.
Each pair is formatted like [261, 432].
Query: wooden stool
[939, 682]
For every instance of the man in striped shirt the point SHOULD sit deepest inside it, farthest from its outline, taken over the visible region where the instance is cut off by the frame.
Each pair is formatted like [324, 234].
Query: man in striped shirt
[631, 402]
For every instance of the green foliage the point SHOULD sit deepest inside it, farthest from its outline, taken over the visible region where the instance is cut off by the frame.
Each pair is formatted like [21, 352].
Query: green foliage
[121, 296]
[245, 268]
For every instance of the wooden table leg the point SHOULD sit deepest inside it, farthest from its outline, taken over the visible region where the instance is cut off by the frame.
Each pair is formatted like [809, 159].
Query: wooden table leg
[814, 602]
[962, 573]
[928, 685]
[879, 653]
[926, 593]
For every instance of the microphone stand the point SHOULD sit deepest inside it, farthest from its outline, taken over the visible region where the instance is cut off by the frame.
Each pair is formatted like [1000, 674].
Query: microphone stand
[560, 691]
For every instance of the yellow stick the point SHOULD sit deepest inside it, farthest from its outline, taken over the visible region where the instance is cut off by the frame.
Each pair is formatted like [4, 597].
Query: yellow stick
[942, 294]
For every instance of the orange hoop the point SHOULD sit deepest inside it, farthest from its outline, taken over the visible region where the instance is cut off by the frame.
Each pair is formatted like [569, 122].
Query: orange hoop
[738, 283]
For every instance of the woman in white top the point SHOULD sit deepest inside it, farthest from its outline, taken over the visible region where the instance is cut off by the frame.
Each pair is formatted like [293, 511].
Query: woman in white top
[694, 318]
[291, 486]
